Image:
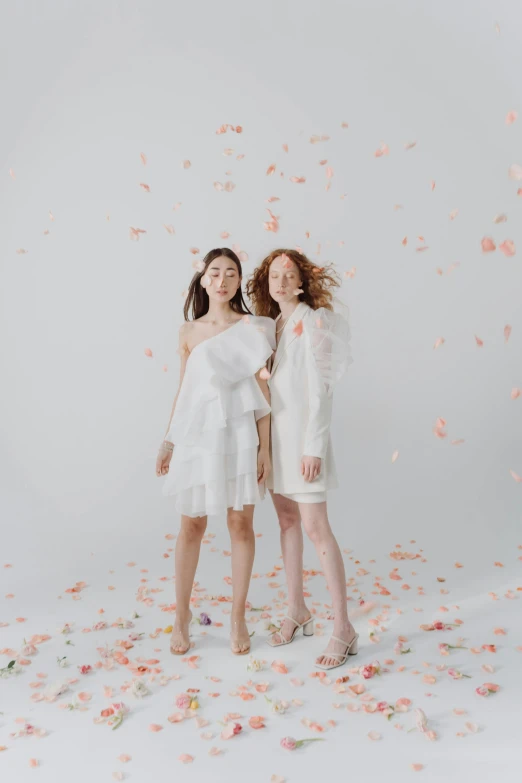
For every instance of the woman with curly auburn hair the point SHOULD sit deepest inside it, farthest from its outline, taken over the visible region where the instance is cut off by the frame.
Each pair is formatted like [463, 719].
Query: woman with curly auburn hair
[312, 354]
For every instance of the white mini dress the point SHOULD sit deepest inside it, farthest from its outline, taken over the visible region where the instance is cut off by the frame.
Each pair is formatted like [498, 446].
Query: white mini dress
[213, 429]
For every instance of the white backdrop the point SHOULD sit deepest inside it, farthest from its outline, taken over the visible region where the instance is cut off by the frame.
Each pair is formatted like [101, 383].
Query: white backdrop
[89, 87]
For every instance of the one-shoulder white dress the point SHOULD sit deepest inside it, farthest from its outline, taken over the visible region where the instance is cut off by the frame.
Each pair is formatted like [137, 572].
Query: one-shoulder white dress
[213, 429]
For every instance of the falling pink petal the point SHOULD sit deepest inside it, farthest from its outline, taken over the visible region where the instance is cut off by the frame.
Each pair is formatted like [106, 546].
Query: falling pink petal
[270, 170]
[21, 251]
[479, 342]
[395, 456]
[515, 171]
[517, 478]
[33, 762]
[285, 147]
[186, 164]
[488, 245]
[148, 352]
[417, 767]
[507, 247]
[515, 393]
[124, 758]
[145, 187]
[432, 185]
[501, 218]
[410, 145]
[143, 158]
[438, 342]
[229, 187]
[507, 332]
[169, 228]
[453, 214]
[135, 233]
[329, 172]
[12, 174]
[185, 758]
[511, 117]
[155, 727]
[214, 751]
[316, 139]
[298, 179]
[383, 150]
[118, 775]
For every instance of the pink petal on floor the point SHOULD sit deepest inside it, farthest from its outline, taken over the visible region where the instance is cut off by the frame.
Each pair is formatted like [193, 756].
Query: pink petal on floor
[176, 717]
[185, 758]
[118, 775]
[155, 727]
[214, 751]
[473, 727]
[124, 758]
[374, 735]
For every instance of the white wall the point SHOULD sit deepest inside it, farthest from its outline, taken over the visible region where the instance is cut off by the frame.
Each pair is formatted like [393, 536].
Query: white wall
[88, 87]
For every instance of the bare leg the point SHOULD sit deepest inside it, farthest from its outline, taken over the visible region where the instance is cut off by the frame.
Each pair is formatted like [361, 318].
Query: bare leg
[188, 546]
[291, 534]
[317, 527]
[241, 528]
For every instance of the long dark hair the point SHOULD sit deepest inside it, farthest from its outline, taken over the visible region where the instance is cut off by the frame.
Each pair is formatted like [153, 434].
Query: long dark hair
[196, 303]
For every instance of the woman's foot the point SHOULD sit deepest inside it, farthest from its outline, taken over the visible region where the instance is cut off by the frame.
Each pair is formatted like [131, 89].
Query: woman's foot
[180, 641]
[288, 628]
[335, 646]
[239, 636]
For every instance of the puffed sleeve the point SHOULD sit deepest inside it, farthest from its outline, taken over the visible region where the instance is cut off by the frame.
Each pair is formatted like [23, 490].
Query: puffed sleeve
[329, 336]
[268, 327]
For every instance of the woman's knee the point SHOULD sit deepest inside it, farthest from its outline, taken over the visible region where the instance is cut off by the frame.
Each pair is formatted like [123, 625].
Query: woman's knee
[193, 528]
[317, 529]
[240, 525]
[288, 520]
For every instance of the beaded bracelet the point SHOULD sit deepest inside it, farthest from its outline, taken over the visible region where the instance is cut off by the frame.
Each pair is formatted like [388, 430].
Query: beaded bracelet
[167, 446]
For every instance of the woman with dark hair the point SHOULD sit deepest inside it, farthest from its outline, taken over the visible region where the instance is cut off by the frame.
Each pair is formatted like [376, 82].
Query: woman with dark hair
[313, 352]
[216, 449]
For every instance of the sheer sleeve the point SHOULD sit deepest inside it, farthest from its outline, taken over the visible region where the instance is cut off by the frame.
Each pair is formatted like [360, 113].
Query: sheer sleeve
[329, 333]
[268, 327]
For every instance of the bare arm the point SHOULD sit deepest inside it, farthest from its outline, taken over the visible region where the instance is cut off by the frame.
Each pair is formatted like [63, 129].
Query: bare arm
[263, 431]
[165, 452]
[263, 425]
[184, 354]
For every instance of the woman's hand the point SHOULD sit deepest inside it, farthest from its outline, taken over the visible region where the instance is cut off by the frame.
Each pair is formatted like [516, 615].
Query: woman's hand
[163, 461]
[264, 465]
[310, 467]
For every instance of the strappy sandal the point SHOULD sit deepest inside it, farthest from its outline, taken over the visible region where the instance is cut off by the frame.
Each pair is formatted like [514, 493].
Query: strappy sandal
[307, 626]
[351, 649]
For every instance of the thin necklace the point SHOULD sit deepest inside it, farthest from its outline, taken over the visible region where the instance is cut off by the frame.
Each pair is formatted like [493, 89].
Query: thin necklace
[278, 331]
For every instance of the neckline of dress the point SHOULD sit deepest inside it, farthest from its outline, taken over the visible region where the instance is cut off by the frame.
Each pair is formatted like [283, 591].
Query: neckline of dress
[240, 320]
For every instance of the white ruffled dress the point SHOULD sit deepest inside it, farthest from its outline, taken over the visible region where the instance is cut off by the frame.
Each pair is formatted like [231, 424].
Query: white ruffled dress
[214, 432]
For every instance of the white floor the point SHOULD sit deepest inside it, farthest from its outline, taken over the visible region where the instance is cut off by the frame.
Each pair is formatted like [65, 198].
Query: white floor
[484, 596]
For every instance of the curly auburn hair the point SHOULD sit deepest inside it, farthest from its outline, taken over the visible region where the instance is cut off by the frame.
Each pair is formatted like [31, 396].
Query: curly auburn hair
[317, 283]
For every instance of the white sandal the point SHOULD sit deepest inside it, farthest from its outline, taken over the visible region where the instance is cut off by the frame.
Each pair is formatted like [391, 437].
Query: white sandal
[307, 626]
[351, 649]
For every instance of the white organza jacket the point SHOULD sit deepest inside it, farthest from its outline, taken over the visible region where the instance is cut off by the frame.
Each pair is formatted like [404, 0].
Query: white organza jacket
[312, 355]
